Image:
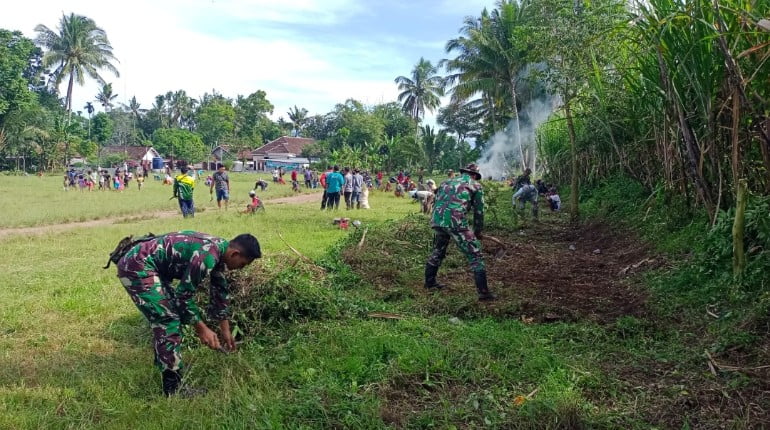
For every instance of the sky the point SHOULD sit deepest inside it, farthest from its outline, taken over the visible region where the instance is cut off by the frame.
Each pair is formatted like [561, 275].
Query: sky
[309, 53]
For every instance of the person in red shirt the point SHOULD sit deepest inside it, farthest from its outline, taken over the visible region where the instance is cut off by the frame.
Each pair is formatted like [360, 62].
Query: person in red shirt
[379, 179]
[294, 183]
[322, 180]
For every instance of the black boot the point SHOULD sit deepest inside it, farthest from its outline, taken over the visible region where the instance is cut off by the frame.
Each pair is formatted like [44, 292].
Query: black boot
[481, 287]
[430, 278]
[172, 386]
[171, 381]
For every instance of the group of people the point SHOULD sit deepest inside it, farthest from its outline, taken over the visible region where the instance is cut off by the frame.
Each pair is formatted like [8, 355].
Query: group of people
[527, 192]
[350, 184]
[101, 179]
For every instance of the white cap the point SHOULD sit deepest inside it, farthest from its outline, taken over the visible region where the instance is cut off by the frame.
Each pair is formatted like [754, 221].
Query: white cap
[252, 193]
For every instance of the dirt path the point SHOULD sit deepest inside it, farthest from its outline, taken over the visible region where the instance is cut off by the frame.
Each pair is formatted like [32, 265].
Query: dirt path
[56, 228]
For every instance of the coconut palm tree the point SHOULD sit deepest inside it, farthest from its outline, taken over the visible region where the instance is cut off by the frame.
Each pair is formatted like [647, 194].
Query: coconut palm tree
[421, 92]
[79, 48]
[298, 118]
[105, 97]
[89, 107]
[491, 55]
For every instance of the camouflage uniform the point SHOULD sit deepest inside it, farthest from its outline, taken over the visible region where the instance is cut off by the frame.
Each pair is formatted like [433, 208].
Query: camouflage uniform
[147, 270]
[454, 199]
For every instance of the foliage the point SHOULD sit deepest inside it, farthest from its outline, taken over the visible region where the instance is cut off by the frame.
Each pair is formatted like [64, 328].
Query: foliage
[80, 48]
[179, 144]
[102, 127]
[215, 120]
[421, 92]
[16, 52]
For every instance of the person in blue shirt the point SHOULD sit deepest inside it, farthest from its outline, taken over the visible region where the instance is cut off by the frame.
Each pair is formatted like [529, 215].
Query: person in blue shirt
[334, 182]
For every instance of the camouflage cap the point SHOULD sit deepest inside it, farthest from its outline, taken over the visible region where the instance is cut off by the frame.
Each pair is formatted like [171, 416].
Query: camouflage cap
[472, 169]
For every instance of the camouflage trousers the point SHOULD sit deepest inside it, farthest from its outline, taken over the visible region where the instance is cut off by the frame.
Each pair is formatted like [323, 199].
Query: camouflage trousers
[466, 241]
[155, 299]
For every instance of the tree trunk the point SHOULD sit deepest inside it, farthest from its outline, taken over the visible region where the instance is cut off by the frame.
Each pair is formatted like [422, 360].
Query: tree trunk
[69, 93]
[524, 161]
[739, 255]
[573, 198]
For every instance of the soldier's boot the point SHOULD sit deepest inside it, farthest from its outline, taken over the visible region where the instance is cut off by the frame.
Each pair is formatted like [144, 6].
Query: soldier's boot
[172, 386]
[485, 295]
[171, 382]
[430, 278]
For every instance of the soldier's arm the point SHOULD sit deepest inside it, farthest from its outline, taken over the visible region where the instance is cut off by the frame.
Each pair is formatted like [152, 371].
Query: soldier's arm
[478, 211]
[197, 270]
[219, 297]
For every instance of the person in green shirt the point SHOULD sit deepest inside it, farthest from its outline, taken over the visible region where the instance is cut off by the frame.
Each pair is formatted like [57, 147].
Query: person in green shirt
[184, 185]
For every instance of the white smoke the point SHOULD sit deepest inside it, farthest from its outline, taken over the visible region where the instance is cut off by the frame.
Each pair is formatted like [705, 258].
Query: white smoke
[508, 150]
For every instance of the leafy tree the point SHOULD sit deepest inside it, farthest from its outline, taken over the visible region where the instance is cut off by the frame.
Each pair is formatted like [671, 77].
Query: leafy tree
[421, 92]
[16, 51]
[87, 148]
[179, 144]
[460, 119]
[569, 36]
[396, 122]
[215, 120]
[79, 48]
[102, 127]
[298, 118]
[106, 96]
[251, 118]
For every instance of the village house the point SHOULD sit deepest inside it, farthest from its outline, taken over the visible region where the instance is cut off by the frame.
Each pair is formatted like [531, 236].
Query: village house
[282, 152]
[133, 155]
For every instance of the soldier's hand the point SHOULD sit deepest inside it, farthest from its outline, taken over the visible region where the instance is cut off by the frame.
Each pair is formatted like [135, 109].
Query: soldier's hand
[227, 336]
[207, 337]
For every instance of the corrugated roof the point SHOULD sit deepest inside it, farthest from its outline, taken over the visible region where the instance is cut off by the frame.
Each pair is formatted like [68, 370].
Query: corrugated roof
[133, 152]
[284, 145]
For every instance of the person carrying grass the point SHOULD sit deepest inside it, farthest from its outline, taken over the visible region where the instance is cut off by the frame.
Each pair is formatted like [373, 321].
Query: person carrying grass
[146, 269]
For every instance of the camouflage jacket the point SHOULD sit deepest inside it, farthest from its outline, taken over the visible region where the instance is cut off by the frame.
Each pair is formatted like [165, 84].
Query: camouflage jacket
[455, 198]
[183, 186]
[188, 256]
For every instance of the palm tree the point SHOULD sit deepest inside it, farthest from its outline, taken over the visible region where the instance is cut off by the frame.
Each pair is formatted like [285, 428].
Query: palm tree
[490, 59]
[79, 48]
[298, 118]
[421, 92]
[89, 107]
[105, 97]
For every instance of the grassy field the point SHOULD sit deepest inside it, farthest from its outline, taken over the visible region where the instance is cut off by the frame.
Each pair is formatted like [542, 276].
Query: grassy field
[75, 353]
[32, 201]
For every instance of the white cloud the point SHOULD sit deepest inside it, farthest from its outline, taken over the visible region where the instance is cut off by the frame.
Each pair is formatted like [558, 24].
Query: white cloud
[169, 45]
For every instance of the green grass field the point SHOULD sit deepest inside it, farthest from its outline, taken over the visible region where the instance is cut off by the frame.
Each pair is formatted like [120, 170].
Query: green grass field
[76, 354]
[33, 201]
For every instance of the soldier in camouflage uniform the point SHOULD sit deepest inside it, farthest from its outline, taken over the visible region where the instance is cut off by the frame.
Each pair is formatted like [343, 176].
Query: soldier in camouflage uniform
[146, 269]
[454, 199]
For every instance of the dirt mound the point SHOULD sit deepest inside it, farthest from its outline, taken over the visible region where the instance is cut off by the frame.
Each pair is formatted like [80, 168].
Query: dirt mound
[562, 272]
[549, 271]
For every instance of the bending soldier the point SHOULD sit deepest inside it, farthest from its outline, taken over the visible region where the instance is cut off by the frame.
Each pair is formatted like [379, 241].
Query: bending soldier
[146, 269]
[455, 198]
